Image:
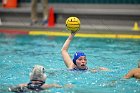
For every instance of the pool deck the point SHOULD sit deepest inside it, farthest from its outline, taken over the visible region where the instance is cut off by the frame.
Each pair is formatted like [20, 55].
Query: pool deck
[87, 30]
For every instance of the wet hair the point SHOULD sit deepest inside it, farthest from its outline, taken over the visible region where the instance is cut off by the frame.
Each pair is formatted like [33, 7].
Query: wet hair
[77, 55]
[38, 73]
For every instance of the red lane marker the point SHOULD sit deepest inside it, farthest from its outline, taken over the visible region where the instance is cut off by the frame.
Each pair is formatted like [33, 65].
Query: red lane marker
[20, 32]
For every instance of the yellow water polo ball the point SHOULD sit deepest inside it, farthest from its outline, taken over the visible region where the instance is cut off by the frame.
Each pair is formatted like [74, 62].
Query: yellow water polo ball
[73, 24]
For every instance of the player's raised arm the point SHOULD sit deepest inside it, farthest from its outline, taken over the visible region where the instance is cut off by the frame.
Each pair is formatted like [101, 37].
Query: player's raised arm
[73, 25]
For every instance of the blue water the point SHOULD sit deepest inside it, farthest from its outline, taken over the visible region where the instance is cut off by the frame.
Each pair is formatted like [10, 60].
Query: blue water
[18, 54]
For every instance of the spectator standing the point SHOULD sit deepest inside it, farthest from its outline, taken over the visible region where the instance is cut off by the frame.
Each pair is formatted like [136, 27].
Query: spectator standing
[34, 6]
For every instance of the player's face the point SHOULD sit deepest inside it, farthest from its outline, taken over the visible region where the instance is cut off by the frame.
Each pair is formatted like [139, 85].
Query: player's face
[81, 62]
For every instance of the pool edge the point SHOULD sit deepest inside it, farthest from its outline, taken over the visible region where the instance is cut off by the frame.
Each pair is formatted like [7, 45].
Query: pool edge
[62, 33]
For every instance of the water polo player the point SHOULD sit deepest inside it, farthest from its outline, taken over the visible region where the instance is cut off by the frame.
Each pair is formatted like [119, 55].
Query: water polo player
[79, 61]
[37, 81]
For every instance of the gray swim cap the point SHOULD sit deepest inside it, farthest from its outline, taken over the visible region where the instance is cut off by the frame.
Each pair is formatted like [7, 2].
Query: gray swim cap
[38, 73]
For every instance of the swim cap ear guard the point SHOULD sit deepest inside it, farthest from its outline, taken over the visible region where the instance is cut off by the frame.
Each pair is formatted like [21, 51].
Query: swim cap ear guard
[77, 55]
[38, 73]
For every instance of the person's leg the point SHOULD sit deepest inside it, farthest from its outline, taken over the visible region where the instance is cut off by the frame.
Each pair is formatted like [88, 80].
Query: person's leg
[45, 11]
[34, 10]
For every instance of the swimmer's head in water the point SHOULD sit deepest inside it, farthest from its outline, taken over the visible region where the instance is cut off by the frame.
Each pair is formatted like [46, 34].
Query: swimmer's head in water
[38, 73]
[77, 55]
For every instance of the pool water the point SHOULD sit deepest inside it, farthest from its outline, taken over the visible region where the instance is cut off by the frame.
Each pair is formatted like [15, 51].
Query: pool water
[20, 53]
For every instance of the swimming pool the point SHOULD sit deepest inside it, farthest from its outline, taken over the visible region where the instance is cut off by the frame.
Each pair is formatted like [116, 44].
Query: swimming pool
[19, 53]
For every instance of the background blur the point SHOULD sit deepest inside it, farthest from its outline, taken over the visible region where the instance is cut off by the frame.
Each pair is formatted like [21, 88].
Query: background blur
[97, 16]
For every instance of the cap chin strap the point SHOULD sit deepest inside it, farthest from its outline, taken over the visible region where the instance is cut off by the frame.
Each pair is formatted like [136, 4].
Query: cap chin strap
[35, 86]
[80, 68]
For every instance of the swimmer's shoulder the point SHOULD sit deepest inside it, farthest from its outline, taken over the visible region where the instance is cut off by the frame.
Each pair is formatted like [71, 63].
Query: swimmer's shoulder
[47, 86]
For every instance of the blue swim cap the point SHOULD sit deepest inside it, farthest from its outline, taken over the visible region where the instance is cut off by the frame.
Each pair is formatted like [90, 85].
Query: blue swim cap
[77, 55]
